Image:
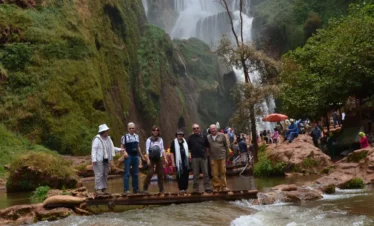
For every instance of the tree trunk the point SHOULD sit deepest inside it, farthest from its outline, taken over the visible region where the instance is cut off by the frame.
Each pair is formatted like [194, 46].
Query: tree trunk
[254, 133]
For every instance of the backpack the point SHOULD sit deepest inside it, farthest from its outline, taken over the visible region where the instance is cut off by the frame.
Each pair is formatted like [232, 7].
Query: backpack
[154, 152]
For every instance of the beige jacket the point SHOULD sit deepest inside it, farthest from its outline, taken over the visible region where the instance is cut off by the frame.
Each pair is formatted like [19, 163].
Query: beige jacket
[218, 148]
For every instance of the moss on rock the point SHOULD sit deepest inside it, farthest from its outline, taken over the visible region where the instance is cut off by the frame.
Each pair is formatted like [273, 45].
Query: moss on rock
[34, 169]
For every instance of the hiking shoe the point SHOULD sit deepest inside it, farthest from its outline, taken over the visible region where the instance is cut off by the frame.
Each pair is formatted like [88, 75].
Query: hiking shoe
[216, 189]
[145, 191]
[208, 190]
[182, 191]
[127, 192]
[225, 189]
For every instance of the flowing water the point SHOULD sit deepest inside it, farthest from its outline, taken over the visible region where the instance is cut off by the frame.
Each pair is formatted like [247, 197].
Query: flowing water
[345, 207]
[208, 21]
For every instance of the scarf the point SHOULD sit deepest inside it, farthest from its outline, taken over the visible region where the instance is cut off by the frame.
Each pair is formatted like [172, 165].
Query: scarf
[105, 148]
[178, 158]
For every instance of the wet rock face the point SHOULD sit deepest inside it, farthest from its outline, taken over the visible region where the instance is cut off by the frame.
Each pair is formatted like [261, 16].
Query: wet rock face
[300, 156]
[359, 164]
[21, 3]
[288, 193]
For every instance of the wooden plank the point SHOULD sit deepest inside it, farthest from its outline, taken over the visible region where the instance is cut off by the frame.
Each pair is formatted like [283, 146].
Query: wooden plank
[169, 198]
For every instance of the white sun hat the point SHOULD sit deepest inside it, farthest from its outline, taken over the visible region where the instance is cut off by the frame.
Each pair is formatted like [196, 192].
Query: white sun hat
[103, 128]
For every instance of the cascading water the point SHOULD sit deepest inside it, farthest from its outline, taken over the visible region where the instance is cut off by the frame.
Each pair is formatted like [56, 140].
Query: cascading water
[208, 21]
[145, 5]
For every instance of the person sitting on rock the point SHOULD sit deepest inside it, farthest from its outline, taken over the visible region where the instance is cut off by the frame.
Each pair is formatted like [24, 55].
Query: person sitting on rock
[275, 136]
[292, 131]
[364, 143]
[102, 154]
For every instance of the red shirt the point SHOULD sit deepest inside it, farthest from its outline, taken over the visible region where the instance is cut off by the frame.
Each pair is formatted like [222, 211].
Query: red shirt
[364, 143]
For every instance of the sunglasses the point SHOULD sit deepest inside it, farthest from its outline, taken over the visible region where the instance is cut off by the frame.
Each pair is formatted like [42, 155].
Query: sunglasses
[196, 128]
[155, 130]
[131, 128]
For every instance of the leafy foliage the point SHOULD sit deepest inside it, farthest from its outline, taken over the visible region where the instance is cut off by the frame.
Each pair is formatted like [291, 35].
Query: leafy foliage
[40, 194]
[265, 167]
[335, 64]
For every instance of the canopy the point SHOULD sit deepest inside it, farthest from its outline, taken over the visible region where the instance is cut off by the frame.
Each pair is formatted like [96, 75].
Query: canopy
[274, 118]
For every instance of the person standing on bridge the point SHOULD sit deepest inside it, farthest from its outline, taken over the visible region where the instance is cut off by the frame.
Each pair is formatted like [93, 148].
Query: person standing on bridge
[155, 151]
[102, 154]
[179, 148]
[219, 151]
[198, 144]
[130, 144]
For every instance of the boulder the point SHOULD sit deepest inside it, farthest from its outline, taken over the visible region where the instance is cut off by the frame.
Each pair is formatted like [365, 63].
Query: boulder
[288, 193]
[358, 164]
[43, 214]
[34, 169]
[300, 156]
[62, 201]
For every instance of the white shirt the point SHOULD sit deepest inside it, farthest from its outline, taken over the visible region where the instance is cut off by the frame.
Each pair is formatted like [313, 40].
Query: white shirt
[214, 137]
[158, 142]
[99, 152]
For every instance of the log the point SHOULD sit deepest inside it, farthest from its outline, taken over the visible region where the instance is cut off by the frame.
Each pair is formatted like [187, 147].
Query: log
[169, 198]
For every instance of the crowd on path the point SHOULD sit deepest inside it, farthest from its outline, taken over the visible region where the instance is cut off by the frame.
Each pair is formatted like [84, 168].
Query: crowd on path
[206, 151]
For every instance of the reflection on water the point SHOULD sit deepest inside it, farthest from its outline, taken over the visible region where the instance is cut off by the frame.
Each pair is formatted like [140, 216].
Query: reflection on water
[11, 199]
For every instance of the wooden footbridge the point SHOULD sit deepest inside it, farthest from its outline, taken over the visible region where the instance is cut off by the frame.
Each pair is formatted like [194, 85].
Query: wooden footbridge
[168, 198]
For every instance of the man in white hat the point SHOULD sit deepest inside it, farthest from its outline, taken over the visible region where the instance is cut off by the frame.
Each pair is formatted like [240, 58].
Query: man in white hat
[102, 154]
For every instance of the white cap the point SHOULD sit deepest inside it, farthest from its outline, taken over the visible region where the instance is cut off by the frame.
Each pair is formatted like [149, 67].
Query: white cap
[103, 128]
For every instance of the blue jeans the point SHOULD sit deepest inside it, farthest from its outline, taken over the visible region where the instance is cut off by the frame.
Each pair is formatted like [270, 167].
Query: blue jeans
[291, 135]
[133, 162]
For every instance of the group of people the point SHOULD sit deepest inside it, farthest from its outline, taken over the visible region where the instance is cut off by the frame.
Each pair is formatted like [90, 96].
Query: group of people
[210, 149]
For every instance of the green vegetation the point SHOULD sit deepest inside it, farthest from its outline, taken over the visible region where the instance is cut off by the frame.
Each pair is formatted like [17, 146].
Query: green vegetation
[33, 169]
[334, 65]
[327, 170]
[66, 68]
[40, 194]
[283, 25]
[200, 60]
[12, 145]
[310, 163]
[357, 157]
[355, 183]
[329, 189]
[265, 167]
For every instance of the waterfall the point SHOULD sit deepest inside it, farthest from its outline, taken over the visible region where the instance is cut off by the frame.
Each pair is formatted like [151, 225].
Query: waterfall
[145, 5]
[208, 21]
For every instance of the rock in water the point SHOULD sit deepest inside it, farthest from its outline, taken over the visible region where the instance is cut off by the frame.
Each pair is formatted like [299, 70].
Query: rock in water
[300, 156]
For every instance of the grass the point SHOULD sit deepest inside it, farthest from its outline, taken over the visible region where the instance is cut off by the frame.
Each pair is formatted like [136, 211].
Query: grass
[13, 145]
[310, 163]
[355, 183]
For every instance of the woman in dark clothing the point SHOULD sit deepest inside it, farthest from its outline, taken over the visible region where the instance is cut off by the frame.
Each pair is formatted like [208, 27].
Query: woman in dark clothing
[179, 148]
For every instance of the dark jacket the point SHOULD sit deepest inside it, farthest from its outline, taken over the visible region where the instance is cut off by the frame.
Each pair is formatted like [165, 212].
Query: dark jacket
[197, 145]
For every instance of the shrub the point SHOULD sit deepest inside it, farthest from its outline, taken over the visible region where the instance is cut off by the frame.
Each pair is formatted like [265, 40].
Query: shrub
[355, 183]
[329, 189]
[40, 194]
[16, 56]
[265, 167]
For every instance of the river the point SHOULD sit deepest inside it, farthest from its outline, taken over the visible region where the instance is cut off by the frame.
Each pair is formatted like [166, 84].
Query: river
[345, 207]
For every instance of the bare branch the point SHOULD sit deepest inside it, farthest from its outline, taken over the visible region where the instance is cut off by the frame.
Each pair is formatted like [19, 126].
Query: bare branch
[241, 20]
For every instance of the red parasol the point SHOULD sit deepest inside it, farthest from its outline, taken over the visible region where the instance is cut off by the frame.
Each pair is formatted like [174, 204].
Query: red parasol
[274, 118]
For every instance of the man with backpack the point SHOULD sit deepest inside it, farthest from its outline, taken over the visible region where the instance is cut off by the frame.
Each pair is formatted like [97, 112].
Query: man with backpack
[130, 144]
[155, 151]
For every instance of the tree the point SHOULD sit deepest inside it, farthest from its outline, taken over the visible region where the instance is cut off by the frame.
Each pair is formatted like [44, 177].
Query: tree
[244, 56]
[335, 64]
